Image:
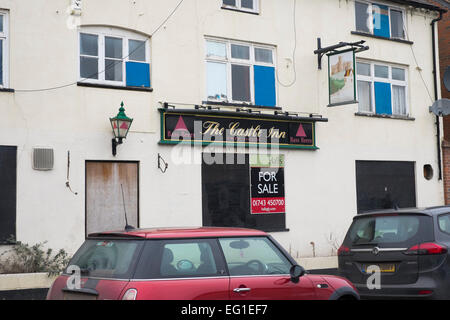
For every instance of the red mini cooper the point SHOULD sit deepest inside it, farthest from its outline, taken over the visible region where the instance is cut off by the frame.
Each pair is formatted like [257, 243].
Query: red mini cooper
[191, 264]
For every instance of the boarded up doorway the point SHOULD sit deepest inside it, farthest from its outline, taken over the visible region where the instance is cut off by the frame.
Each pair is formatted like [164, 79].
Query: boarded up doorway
[104, 204]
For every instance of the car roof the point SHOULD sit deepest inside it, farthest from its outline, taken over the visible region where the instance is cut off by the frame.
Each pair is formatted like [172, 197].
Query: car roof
[180, 232]
[428, 211]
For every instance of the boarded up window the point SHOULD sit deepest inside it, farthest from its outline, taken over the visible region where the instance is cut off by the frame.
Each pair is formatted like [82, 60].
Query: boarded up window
[8, 192]
[104, 203]
[227, 193]
[385, 184]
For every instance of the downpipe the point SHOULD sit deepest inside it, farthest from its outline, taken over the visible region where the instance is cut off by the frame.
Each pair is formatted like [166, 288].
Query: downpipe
[436, 96]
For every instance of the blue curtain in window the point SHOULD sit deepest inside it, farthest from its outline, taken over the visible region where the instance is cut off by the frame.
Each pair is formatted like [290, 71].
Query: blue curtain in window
[138, 74]
[383, 101]
[265, 94]
[381, 20]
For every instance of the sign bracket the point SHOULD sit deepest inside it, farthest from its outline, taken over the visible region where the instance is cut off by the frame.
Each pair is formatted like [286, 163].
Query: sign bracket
[357, 46]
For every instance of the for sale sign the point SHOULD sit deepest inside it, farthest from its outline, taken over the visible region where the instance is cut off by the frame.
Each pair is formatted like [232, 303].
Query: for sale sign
[267, 184]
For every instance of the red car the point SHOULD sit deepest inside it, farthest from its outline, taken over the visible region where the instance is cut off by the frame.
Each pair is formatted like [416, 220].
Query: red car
[191, 264]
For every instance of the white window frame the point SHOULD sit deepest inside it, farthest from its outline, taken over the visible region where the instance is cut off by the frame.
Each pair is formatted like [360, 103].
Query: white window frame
[390, 7]
[101, 33]
[4, 36]
[228, 60]
[372, 79]
[239, 7]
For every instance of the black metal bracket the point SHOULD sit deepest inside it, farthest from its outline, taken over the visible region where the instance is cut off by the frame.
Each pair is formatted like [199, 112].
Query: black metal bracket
[159, 164]
[356, 46]
[115, 143]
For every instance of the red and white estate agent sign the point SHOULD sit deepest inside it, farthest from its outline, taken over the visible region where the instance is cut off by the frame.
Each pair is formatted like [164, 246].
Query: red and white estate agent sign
[267, 184]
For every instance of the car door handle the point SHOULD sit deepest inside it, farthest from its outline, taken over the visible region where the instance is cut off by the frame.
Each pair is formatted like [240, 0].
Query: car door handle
[240, 290]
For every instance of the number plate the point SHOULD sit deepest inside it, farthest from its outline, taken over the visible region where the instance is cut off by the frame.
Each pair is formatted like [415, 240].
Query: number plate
[79, 296]
[384, 267]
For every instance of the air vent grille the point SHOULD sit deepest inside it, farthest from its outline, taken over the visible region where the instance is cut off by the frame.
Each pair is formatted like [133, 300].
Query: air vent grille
[43, 158]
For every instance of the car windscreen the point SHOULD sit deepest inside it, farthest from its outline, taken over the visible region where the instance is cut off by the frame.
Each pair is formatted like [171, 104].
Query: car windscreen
[390, 230]
[107, 258]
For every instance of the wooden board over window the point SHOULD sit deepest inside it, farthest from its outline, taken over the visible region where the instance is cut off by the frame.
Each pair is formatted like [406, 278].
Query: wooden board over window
[104, 202]
[8, 192]
[385, 184]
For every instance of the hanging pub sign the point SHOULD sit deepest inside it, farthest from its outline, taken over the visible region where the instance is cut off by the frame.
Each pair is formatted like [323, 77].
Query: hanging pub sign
[341, 78]
[267, 184]
[237, 128]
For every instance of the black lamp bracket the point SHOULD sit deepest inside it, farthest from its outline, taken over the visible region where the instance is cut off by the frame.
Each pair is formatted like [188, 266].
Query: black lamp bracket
[115, 143]
[343, 46]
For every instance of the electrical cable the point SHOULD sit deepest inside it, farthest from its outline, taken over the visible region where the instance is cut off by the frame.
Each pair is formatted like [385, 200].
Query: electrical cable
[417, 63]
[110, 65]
[293, 53]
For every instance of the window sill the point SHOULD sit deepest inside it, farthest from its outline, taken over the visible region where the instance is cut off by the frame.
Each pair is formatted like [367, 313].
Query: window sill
[365, 34]
[7, 90]
[240, 10]
[384, 116]
[106, 86]
[239, 105]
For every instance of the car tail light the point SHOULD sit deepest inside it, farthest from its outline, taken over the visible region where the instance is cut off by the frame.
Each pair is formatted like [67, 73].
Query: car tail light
[130, 294]
[427, 248]
[343, 251]
[425, 292]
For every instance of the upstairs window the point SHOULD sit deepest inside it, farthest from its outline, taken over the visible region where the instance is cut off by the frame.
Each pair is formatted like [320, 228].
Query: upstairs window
[4, 49]
[382, 89]
[240, 73]
[114, 57]
[380, 20]
[241, 5]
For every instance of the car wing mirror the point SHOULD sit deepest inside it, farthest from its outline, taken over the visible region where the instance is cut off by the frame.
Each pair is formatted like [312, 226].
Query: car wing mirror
[296, 272]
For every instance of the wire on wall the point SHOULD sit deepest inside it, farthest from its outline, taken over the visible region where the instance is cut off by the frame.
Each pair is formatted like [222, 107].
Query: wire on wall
[294, 51]
[109, 66]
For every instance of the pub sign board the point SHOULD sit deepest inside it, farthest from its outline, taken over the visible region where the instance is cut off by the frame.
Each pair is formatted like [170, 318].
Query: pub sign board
[267, 184]
[233, 128]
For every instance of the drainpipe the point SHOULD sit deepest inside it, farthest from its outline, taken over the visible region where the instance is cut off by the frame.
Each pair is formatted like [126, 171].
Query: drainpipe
[436, 97]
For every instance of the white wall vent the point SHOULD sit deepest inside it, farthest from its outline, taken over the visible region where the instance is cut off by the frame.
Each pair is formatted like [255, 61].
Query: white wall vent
[43, 158]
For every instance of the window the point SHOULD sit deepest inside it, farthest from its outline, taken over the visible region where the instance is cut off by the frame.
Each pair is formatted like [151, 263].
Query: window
[240, 73]
[390, 230]
[4, 60]
[8, 191]
[107, 258]
[242, 5]
[228, 191]
[385, 184]
[187, 259]
[382, 89]
[114, 57]
[380, 20]
[253, 256]
[444, 223]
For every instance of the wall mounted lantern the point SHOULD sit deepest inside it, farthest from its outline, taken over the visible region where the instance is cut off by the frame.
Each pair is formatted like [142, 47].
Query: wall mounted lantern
[120, 125]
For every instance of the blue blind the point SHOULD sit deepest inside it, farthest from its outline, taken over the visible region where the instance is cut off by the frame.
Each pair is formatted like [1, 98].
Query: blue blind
[265, 94]
[381, 20]
[383, 101]
[138, 74]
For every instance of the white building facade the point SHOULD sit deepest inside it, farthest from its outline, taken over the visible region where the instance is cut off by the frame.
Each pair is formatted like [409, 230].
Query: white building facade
[65, 70]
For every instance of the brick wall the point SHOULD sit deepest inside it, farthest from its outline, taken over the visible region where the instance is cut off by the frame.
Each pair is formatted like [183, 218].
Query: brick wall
[444, 62]
[444, 58]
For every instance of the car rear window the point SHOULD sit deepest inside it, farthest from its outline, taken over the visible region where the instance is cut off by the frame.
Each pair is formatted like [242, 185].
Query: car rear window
[107, 258]
[444, 223]
[390, 230]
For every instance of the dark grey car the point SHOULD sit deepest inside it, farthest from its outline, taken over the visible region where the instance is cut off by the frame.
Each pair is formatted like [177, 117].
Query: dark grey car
[409, 248]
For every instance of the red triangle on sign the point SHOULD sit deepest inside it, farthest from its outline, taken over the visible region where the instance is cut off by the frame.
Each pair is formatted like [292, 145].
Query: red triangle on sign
[124, 125]
[301, 132]
[181, 125]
